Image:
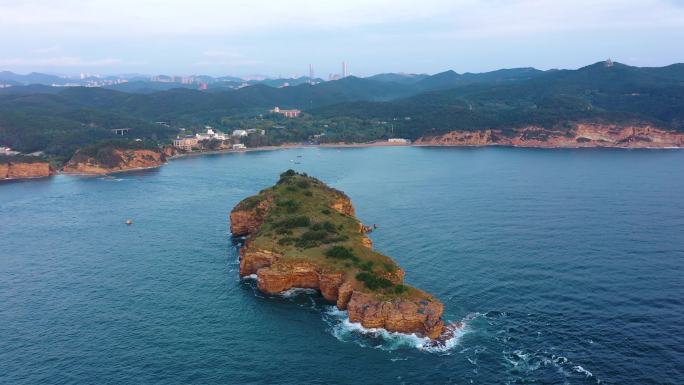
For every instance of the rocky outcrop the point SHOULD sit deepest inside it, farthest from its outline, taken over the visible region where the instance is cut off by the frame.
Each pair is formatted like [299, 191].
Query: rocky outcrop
[404, 315]
[252, 259]
[248, 216]
[114, 160]
[24, 170]
[399, 315]
[170, 151]
[343, 205]
[581, 135]
[407, 311]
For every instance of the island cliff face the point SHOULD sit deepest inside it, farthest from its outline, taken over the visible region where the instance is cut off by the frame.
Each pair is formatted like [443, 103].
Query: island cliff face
[581, 135]
[115, 160]
[303, 234]
[24, 170]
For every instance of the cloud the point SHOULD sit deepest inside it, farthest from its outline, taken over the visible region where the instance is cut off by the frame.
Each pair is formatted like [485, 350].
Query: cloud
[101, 18]
[62, 61]
[277, 35]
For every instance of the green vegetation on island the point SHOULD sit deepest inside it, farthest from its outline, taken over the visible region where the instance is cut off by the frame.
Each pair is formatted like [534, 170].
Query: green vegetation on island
[301, 226]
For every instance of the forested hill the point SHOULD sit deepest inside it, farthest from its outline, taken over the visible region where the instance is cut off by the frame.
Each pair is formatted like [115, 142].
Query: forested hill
[59, 120]
[610, 92]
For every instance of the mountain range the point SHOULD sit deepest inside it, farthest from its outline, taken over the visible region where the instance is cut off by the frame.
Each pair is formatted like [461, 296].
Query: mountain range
[59, 119]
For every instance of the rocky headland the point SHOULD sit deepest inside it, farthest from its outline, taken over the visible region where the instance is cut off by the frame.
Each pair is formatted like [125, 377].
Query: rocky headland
[24, 168]
[580, 135]
[301, 233]
[112, 159]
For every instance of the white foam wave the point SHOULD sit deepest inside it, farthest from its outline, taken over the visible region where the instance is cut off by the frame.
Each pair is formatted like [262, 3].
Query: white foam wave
[522, 361]
[295, 291]
[251, 276]
[580, 369]
[345, 330]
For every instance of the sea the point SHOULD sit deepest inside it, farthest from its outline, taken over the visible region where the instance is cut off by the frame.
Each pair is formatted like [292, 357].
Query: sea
[564, 266]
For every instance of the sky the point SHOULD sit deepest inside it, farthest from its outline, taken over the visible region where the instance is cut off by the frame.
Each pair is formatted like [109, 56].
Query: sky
[282, 37]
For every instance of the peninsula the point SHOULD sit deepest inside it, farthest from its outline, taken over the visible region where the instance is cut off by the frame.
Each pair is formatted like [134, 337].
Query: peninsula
[301, 233]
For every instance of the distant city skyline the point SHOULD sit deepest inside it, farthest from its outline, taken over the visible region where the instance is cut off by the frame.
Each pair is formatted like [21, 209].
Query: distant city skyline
[290, 39]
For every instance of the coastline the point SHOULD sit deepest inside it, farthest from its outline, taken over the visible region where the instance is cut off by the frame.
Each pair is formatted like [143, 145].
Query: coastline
[544, 147]
[288, 146]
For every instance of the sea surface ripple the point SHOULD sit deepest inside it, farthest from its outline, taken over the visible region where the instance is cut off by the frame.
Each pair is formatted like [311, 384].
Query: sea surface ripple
[567, 267]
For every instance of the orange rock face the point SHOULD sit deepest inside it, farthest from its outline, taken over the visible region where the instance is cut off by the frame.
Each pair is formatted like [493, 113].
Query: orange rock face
[401, 316]
[247, 221]
[286, 276]
[126, 160]
[343, 205]
[582, 135]
[169, 151]
[253, 259]
[19, 170]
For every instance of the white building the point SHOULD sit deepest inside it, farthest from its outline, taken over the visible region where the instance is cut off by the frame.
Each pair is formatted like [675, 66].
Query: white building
[240, 133]
[187, 143]
[211, 134]
[399, 140]
[286, 113]
[239, 146]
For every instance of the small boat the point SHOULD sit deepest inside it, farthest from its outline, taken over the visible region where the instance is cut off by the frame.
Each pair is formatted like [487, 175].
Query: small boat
[129, 222]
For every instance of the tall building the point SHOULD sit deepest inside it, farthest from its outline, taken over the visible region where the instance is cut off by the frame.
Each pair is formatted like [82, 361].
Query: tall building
[311, 71]
[345, 70]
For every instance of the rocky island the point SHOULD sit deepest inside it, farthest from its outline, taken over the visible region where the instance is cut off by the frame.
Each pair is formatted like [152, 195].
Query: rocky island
[301, 233]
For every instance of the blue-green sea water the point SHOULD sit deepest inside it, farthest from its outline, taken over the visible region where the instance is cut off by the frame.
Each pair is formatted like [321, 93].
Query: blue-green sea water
[567, 267]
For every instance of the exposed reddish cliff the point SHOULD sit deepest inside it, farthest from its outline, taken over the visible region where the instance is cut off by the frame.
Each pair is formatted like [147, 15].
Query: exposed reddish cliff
[248, 216]
[343, 205]
[117, 160]
[403, 316]
[581, 135]
[417, 313]
[170, 151]
[21, 170]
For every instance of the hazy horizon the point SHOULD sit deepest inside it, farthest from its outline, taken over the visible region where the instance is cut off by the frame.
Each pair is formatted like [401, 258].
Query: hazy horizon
[293, 76]
[274, 39]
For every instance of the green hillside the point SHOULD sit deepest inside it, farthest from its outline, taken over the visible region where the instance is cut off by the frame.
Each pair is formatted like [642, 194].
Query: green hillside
[60, 120]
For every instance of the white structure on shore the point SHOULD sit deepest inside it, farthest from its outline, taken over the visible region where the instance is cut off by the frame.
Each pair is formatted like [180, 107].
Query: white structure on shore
[186, 143]
[239, 146]
[286, 113]
[211, 134]
[399, 141]
[240, 133]
[7, 151]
